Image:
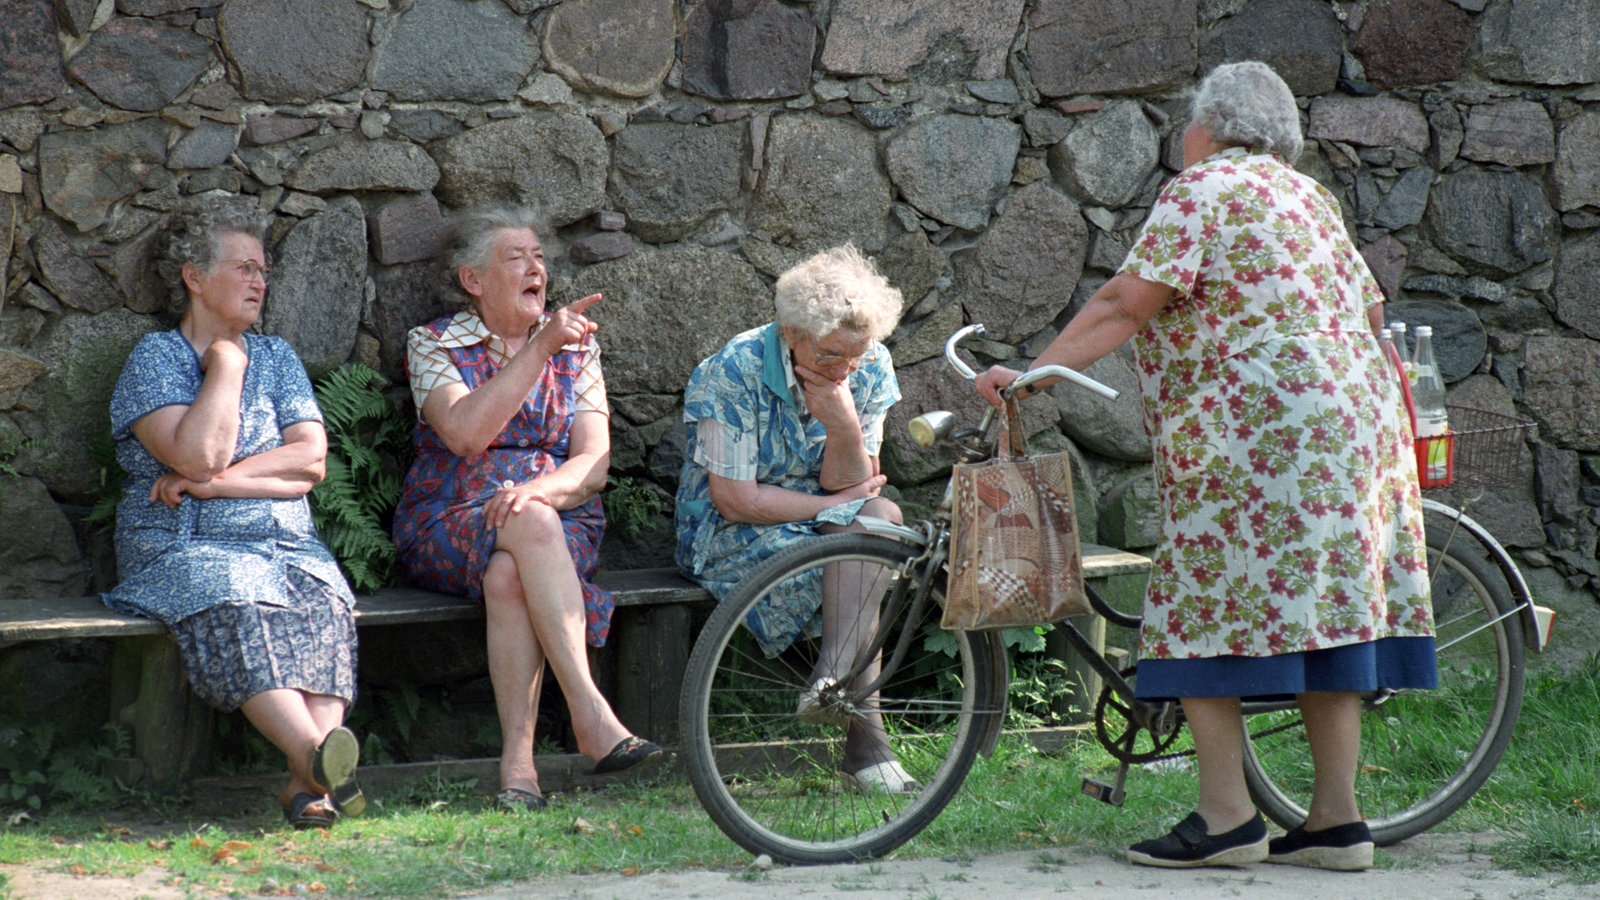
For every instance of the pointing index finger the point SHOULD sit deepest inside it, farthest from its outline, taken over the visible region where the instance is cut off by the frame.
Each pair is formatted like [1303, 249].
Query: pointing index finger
[582, 306]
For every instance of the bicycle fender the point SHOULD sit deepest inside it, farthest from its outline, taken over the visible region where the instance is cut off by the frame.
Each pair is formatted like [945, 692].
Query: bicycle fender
[875, 525]
[1531, 633]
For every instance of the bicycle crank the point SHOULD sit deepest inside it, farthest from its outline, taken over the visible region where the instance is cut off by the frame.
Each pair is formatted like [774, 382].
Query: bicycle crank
[1134, 730]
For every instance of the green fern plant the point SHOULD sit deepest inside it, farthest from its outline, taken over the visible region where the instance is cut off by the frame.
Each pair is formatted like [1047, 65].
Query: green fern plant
[107, 489]
[369, 446]
[631, 505]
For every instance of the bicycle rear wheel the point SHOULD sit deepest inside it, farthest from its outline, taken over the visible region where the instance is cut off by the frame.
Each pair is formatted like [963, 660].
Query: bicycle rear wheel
[1423, 753]
[778, 785]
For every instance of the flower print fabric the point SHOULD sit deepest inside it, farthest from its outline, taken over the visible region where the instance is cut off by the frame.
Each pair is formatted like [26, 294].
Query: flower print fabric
[748, 422]
[1291, 508]
[440, 526]
[174, 563]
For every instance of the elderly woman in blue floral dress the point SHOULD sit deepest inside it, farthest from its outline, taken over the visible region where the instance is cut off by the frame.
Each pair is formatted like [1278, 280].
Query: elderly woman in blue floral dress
[221, 438]
[1291, 559]
[503, 501]
[785, 428]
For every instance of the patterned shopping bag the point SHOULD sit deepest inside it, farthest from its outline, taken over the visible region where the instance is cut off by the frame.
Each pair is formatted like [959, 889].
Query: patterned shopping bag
[1014, 554]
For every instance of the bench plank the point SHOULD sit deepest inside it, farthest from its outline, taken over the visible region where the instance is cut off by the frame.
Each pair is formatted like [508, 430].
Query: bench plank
[53, 618]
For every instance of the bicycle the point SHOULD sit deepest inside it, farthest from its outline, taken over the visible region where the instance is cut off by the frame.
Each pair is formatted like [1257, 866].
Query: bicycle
[770, 772]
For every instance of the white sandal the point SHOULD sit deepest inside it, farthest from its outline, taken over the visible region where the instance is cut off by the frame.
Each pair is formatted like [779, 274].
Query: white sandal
[885, 777]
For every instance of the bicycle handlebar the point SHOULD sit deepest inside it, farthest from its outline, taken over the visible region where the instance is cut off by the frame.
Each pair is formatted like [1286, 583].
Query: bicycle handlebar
[1026, 379]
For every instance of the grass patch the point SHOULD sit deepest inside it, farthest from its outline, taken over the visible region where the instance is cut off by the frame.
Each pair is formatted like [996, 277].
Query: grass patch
[1537, 814]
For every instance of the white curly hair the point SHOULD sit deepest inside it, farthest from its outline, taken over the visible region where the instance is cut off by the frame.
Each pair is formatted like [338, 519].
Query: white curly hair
[1246, 104]
[837, 288]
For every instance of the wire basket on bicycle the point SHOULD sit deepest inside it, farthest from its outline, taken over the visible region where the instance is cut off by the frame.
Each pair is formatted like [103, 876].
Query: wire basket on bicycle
[1484, 449]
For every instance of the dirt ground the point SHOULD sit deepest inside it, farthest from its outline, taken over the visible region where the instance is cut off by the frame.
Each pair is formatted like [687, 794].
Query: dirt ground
[1439, 867]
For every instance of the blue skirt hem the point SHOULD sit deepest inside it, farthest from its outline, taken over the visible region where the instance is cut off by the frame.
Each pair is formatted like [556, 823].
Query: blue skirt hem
[1395, 663]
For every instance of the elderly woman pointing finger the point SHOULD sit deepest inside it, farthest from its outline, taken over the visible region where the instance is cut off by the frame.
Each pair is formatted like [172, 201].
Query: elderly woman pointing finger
[503, 500]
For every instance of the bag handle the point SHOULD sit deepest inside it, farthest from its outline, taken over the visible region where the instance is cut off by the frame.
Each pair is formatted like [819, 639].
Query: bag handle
[1013, 440]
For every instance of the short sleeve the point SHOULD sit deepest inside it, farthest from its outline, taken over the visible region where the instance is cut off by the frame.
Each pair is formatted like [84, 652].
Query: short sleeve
[296, 401]
[721, 405]
[730, 454]
[1170, 250]
[589, 387]
[428, 365]
[156, 375]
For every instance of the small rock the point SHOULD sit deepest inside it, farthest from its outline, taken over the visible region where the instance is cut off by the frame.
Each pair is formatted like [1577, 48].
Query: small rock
[761, 863]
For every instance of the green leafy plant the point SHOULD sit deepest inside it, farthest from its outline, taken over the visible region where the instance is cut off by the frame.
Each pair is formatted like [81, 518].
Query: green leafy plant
[369, 446]
[107, 489]
[631, 505]
[12, 444]
[35, 769]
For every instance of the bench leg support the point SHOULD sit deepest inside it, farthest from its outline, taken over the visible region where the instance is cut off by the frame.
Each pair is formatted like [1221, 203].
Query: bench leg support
[653, 645]
[171, 726]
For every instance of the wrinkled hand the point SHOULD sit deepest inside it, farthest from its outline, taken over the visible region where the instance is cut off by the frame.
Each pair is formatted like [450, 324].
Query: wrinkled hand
[568, 325]
[829, 401]
[991, 381]
[869, 488]
[171, 487]
[508, 501]
[224, 353]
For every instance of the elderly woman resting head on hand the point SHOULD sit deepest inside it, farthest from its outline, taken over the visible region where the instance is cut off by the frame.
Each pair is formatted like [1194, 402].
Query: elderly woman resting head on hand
[785, 428]
[503, 500]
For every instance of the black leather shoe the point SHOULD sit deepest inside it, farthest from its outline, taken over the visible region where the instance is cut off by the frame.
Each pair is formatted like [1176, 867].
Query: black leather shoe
[1187, 845]
[1342, 848]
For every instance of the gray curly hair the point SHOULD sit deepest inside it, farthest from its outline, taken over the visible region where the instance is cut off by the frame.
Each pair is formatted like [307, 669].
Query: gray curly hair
[837, 288]
[473, 232]
[192, 235]
[1246, 104]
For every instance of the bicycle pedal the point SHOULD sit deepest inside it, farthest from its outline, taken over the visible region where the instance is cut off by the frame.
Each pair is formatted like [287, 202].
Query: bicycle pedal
[1105, 793]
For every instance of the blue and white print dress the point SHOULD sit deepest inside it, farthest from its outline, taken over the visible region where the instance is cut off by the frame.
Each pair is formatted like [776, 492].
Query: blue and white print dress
[748, 422]
[254, 598]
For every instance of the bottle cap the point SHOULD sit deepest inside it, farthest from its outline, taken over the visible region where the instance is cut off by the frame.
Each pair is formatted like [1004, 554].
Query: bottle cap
[1424, 330]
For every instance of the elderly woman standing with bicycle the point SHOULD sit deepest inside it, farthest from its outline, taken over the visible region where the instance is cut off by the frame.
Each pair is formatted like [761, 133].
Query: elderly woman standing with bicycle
[1291, 559]
[785, 426]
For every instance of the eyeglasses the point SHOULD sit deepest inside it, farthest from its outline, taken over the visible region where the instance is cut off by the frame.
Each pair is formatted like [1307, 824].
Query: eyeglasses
[249, 269]
[834, 359]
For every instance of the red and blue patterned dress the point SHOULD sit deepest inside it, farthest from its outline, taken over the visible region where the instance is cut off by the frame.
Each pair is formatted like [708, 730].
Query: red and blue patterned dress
[439, 525]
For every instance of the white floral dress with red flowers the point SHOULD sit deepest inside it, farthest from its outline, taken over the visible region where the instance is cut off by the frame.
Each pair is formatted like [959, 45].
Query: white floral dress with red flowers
[1282, 456]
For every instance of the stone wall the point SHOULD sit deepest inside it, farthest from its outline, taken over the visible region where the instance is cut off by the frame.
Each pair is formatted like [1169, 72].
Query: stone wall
[996, 156]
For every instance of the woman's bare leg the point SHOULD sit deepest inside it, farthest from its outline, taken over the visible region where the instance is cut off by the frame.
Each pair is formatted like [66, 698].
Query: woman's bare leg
[516, 667]
[553, 598]
[283, 717]
[850, 606]
[1218, 730]
[1333, 725]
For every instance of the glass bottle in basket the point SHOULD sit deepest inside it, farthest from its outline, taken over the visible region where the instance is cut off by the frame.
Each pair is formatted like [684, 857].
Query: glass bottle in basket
[1397, 331]
[1433, 421]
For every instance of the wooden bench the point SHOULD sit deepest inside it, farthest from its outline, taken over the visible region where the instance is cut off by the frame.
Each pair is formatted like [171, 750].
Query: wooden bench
[652, 632]
[172, 729]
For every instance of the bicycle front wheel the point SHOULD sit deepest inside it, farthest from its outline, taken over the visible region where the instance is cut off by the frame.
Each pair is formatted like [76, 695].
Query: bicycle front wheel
[773, 761]
[1423, 753]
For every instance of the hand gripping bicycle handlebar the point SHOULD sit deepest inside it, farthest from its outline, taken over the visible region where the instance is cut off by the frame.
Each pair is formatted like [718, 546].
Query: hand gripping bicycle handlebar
[1026, 379]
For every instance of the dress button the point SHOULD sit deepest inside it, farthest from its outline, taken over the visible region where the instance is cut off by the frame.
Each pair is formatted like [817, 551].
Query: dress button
[522, 443]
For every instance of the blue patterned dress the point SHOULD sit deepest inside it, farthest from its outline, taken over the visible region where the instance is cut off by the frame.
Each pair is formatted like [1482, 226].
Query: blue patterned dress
[254, 599]
[440, 526]
[748, 392]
